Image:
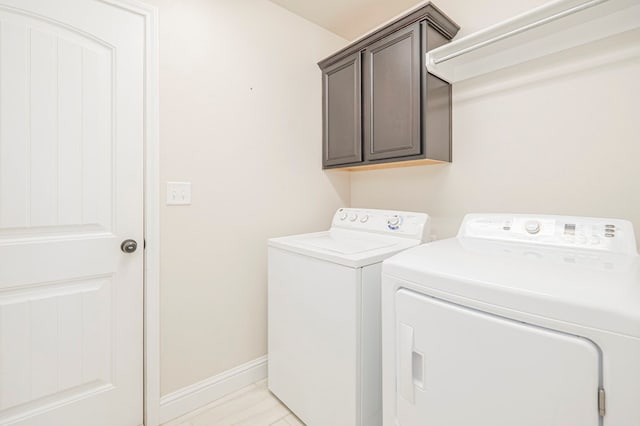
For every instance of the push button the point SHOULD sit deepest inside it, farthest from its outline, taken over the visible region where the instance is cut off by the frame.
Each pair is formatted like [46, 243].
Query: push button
[532, 227]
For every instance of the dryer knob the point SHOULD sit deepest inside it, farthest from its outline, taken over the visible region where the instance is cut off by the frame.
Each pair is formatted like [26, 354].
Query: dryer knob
[532, 226]
[353, 217]
[343, 216]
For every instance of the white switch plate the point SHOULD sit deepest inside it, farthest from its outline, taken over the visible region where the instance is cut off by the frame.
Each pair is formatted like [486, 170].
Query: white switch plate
[178, 193]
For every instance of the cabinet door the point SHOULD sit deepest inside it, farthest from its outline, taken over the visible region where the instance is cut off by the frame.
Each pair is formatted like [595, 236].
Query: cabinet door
[391, 93]
[341, 111]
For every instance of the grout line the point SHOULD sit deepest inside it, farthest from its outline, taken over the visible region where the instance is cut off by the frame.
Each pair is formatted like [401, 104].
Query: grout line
[267, 403]
[283, 418]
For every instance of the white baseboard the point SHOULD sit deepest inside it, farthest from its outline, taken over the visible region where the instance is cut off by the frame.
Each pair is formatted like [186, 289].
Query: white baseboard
[194, 396]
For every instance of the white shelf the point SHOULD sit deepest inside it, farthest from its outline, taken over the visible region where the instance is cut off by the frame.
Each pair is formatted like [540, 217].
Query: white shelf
[551, 28]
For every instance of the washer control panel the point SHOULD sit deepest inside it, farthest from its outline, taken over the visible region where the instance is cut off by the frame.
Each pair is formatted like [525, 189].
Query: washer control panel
[613, 235]
[403, 224]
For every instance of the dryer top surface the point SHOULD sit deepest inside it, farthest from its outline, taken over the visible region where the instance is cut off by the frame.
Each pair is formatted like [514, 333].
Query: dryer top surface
[595, 289]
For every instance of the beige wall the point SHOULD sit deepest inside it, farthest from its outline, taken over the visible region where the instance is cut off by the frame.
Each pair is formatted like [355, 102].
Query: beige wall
[559, 136]
[241, 119]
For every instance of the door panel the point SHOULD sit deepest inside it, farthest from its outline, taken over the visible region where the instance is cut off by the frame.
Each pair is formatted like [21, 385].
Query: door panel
[55, 158]
[391, 90]
[341, 111]
[457, 367]
[55, 338]
[71, 145]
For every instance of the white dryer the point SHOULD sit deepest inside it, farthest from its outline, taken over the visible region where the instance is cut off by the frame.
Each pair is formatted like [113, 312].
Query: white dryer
[324, 314]
[521, 320]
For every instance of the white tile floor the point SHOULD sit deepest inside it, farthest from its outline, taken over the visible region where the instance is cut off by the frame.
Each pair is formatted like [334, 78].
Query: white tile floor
[250, 406]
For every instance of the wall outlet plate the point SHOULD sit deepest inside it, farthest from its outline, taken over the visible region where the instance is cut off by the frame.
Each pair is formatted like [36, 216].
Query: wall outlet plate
[178, 193]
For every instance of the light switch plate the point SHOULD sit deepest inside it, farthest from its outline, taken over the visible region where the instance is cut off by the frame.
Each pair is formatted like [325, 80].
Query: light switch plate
[178, 193]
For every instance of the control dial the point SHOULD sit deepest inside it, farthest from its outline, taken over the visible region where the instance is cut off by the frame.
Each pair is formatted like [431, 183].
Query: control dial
[353, 217]
[394, 222]
[532, 227]
[343, 216]
[364, 218]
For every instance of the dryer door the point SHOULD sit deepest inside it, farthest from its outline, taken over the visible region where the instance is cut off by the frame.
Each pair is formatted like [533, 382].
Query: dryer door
[457, 366]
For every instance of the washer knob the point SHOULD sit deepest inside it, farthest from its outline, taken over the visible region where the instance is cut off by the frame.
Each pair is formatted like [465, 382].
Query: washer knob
[364, 218]
[532, 226]
[343, 216]
[394, 221]
[353, 217]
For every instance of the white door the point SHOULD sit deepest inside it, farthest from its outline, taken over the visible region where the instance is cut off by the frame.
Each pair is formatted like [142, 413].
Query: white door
[460, 367]
[71, 155]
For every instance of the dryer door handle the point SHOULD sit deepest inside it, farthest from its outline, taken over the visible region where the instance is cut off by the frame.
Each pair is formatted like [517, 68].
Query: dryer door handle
[410, 364]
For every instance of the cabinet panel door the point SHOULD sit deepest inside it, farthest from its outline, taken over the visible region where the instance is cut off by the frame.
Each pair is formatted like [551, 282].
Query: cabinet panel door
[392, 96]
[342, 137]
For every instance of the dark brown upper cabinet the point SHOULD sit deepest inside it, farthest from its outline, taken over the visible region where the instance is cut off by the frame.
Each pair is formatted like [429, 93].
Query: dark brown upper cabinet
[380, 106]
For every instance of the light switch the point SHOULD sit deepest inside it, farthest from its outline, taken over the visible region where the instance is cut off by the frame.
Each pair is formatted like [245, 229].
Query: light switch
[178, 193]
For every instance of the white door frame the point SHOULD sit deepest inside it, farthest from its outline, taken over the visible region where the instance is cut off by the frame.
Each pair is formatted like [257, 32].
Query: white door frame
[151, 209]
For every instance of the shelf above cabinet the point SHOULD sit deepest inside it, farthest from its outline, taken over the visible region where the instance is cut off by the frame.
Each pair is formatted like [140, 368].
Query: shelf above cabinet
[551, 28]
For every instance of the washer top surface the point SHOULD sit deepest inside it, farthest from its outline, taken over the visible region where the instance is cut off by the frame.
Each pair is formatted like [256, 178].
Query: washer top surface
[580, 270]
[345, 242]
[360, 237]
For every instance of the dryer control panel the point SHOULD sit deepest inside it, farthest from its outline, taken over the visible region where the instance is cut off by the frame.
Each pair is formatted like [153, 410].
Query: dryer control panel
[611, 235]
[400, 223]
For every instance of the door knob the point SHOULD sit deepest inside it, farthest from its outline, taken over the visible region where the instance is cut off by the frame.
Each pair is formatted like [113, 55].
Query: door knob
[129, 246]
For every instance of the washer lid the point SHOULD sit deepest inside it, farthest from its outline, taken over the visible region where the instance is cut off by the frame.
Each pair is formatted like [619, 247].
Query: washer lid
[338, 242]
[350, 248]
[595, 289]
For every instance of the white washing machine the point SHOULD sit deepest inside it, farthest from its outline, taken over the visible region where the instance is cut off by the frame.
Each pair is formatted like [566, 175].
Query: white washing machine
[324, 314]
[522, 320]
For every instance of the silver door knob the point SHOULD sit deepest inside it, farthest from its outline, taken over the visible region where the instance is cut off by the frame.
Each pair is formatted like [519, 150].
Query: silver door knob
[129, 246]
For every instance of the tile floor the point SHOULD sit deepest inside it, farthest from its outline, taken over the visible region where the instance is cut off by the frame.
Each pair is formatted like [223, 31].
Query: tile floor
[250, 406]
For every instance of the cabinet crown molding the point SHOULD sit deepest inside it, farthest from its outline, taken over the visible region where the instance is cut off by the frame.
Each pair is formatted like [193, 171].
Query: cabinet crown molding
[429, 12]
